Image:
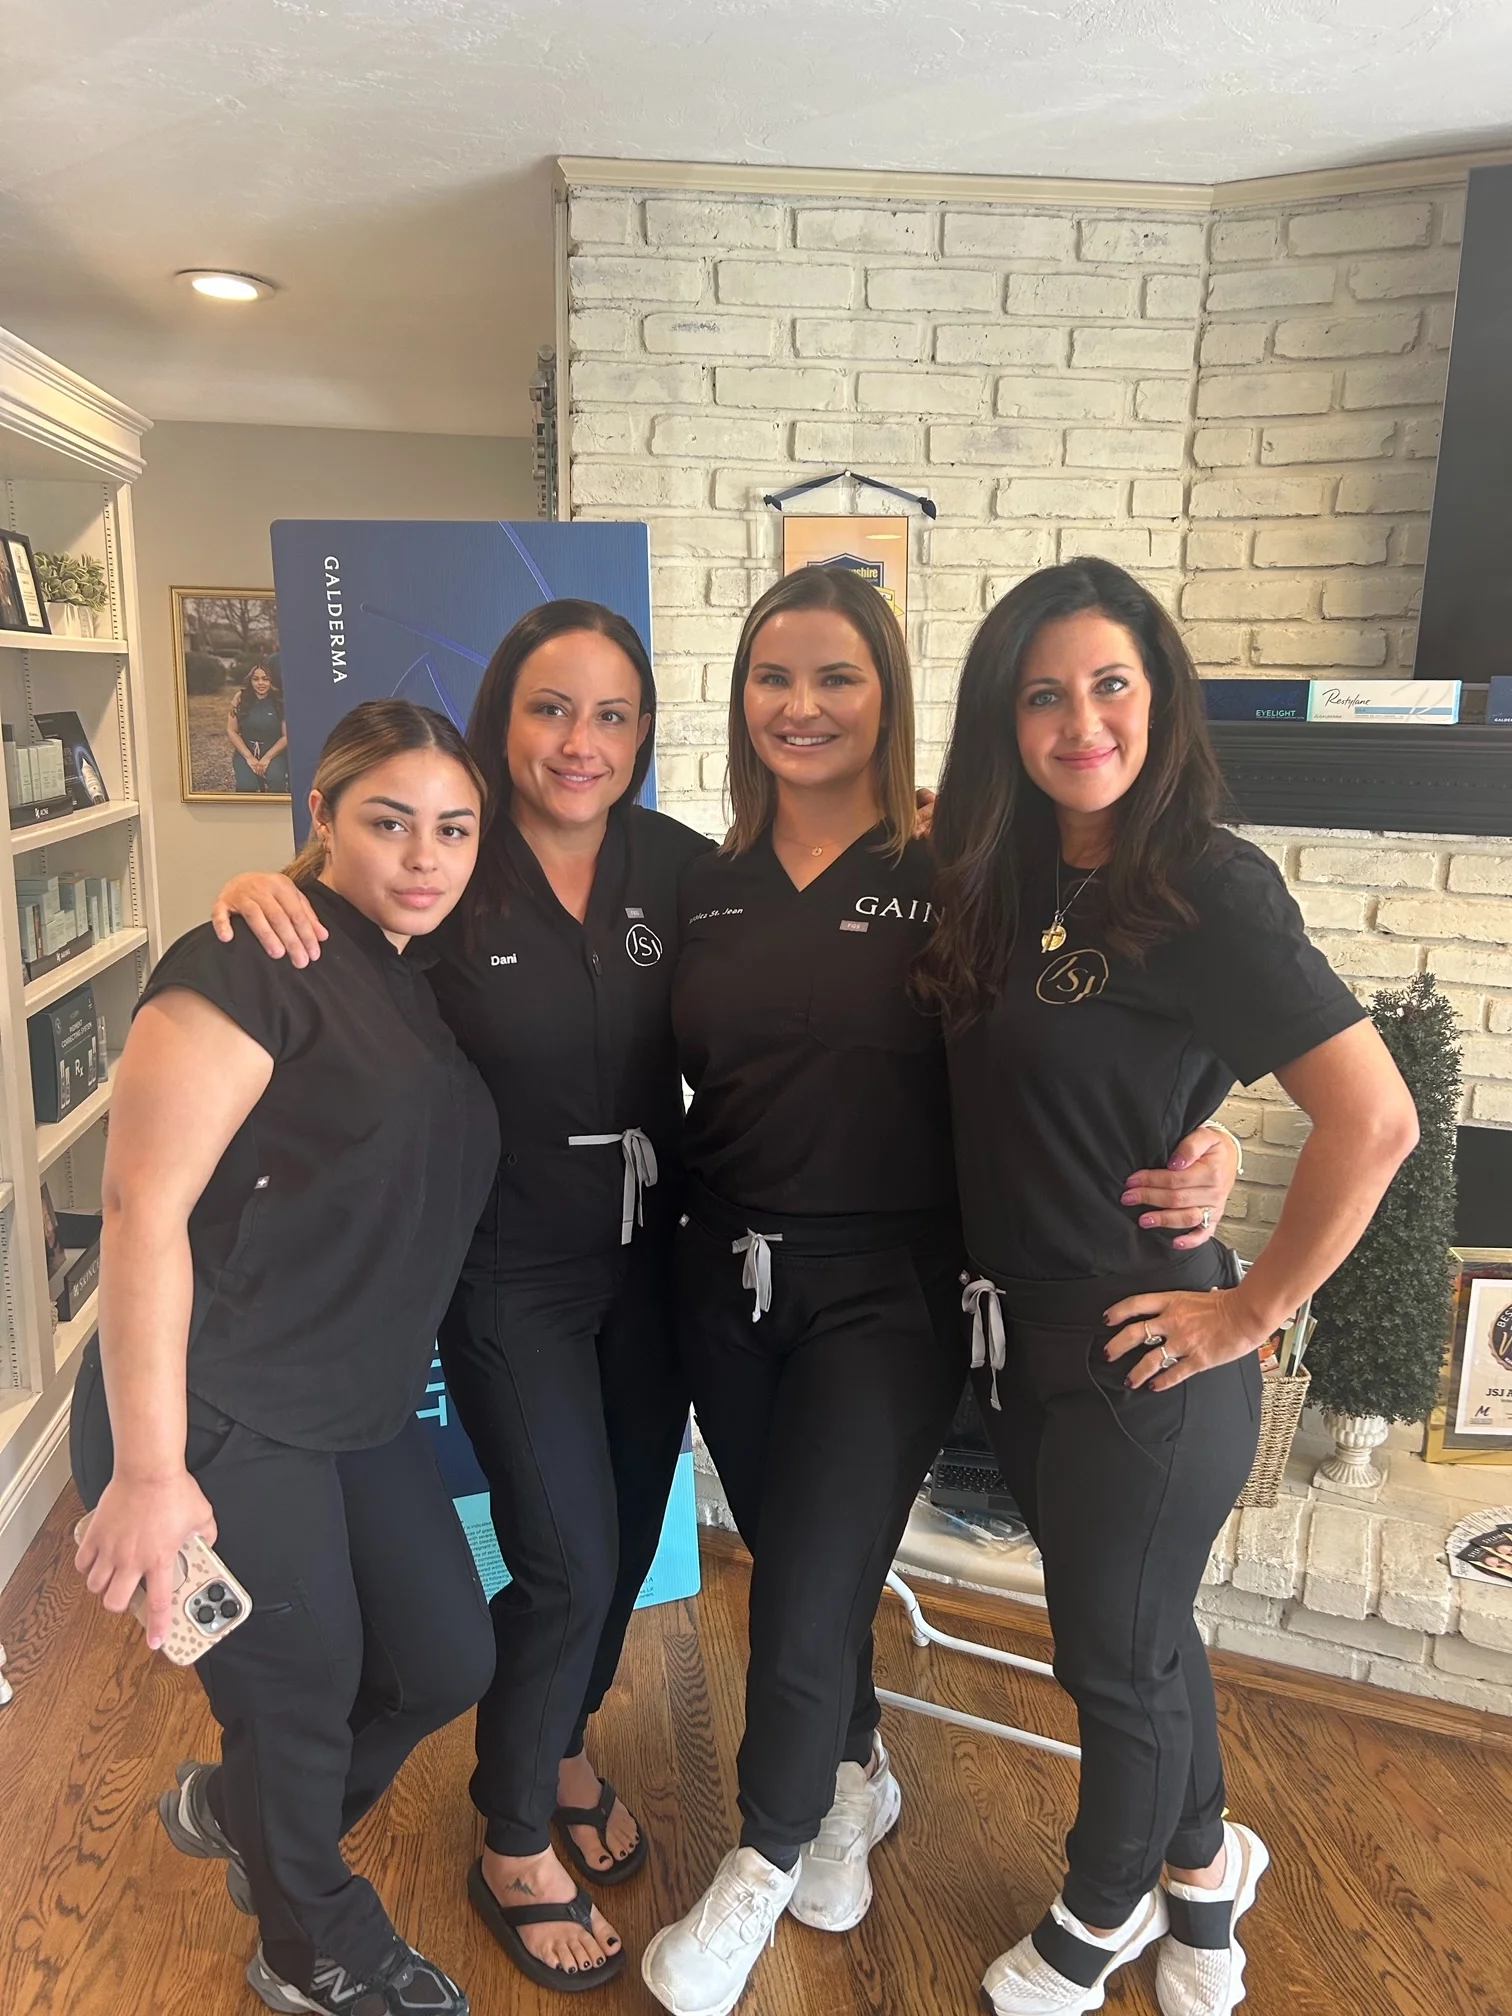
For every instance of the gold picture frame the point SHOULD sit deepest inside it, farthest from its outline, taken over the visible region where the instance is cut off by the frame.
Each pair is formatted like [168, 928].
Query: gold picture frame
[222, 639]
[1475, 1385]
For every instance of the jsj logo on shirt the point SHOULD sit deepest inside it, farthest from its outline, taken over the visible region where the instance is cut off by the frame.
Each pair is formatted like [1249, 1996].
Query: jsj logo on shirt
[643, 945]
[1073, 977]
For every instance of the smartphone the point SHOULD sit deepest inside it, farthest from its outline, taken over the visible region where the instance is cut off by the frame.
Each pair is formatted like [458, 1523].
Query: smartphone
[208, 1601]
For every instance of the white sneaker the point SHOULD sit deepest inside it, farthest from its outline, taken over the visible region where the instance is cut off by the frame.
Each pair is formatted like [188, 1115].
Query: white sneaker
[834, 1881]
[1061, 1969]
[1201, 1970]
[700, 1965]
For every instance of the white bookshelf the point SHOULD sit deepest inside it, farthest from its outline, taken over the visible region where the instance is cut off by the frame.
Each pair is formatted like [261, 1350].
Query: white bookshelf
[68, 456]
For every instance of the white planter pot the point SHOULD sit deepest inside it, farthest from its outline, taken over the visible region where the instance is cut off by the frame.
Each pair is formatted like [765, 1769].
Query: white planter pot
[1356, 1438]
[66, 619]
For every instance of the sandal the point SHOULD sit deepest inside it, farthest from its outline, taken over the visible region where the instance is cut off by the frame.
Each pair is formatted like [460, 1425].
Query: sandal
[597, 1817]
[503, 1919]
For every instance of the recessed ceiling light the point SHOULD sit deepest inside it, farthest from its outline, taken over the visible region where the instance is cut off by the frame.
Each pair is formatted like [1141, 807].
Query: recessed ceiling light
[221, 286]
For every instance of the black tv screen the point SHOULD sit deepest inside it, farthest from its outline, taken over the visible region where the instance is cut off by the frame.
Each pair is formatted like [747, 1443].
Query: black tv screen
[1466, 629]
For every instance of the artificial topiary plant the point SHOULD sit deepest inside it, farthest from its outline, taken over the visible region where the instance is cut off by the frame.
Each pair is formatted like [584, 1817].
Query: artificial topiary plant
[1383, 1318]
[72, 577]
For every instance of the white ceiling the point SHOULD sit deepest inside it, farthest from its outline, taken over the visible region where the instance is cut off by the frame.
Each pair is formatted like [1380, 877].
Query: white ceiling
[388, 161]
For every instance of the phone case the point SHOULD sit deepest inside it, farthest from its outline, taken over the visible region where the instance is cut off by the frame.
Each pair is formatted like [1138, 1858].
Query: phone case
[208, 1602]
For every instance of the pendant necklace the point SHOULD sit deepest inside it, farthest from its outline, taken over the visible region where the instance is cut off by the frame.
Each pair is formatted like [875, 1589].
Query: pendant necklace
[1054, 935]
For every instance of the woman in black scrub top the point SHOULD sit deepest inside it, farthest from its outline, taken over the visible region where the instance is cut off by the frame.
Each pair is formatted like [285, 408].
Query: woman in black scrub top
[258, 735]
[1108, 963]
[819, 1261]
[294, 1158]
[559, 1348]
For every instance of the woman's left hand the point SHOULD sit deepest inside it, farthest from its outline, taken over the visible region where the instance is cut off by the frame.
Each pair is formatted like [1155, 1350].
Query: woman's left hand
[1191, 1193]
[924, 808]
[1179, 1334]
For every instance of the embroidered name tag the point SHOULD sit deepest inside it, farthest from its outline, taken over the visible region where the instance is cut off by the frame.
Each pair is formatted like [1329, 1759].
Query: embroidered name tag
[850, 924]
[633, 912]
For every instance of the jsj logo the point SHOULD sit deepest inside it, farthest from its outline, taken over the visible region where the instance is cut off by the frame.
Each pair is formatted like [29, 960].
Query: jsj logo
[643, 945]
[1075, 976]
[915, 911]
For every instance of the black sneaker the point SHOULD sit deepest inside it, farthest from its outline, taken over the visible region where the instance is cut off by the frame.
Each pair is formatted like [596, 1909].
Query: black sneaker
[405, 1985]
[194, 1830]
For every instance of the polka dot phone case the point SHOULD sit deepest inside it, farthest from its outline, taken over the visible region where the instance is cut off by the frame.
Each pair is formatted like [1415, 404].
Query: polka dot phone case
[208, 1602]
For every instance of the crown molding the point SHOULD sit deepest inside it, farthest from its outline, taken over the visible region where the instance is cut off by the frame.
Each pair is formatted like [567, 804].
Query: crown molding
[886, 185]
[897, 185]
[1369, 178]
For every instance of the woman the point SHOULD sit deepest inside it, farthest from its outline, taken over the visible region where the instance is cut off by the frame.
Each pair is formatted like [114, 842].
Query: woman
[269, 1295]
[1108, 962]
[558, 1347]
[258, 734]
[819, 1260]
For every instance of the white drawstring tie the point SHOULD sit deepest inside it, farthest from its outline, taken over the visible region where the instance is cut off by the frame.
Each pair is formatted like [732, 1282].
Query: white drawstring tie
[989, 1339]
[757, 1271]
[640, 1171]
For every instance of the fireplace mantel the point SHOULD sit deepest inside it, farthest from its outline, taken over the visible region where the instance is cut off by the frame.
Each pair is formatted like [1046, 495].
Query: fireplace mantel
[1368, 778]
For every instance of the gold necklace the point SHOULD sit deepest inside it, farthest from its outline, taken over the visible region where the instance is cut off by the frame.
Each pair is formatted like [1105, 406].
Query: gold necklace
[1054, 935]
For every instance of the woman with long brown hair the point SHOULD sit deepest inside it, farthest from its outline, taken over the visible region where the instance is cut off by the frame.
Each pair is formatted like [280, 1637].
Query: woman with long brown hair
[1107, 962]
[819, 1261]
[294, 1160]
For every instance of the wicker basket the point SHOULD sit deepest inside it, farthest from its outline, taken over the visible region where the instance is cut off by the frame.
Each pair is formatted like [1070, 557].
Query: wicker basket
[1281, 1403]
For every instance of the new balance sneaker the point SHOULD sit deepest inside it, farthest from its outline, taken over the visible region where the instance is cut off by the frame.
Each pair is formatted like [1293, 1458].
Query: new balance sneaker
[700, 1965]
[405, 1985]
[834, 1889]
[194, 1830]
[1062, 1969]
[1201, 1969]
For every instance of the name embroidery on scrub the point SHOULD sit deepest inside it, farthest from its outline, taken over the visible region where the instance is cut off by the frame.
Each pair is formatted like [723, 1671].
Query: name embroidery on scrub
[504, 959]
[918, 910]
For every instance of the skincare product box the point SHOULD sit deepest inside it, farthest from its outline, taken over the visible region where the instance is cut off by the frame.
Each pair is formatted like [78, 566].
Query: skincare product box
[1412, 700]
[67, 1060]
[1255, 699]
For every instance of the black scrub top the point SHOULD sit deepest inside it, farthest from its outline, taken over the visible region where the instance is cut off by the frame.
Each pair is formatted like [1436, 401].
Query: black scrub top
[1089, 1066]
[329, 1238]
[818, 1087]
[260, 723]
[569, 1024]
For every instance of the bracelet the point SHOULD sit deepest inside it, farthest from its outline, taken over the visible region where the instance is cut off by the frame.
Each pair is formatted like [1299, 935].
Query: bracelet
[1219, 1128]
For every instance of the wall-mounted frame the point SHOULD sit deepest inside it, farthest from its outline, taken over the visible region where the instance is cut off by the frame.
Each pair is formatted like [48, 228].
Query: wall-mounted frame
[233, 740]
[21, 604]
[1472, 1421]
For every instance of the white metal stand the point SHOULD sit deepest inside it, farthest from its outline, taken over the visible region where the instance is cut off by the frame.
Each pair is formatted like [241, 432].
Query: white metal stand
[924, 1633]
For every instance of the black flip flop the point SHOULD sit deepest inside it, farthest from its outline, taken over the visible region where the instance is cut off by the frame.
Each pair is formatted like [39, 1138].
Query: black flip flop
[597, 1817]
[503, 1919]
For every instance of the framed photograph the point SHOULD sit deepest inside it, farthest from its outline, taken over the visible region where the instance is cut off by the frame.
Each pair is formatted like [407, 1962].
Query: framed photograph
[1472, 1422]
[21, 604]
[233, 739]
[874, 548]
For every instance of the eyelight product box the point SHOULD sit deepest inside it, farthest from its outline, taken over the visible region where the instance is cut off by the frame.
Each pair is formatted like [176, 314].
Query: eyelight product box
[1255, 699]
[1499, 702]
[1416, 701]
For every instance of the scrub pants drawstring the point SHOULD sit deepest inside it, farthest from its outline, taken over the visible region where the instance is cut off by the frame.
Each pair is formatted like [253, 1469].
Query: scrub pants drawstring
[640, 1171]
[989, 1339]
[757, 1271]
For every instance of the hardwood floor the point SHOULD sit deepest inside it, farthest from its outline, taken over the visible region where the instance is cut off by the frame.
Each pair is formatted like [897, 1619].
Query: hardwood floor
[1389, 1824]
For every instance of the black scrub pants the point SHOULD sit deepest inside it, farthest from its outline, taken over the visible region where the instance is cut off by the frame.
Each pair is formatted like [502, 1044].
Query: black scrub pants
[567, 1382]
[1124, 1491]
[822, 1419]
[368, 1631]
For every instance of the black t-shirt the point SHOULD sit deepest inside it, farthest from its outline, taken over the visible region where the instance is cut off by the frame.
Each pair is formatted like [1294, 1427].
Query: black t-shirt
[570, 1026]
[1089, 1066]
[329, 1238]
[818, 1088]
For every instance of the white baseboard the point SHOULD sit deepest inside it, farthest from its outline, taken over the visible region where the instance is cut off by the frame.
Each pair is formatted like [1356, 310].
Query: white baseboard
[32, 1493]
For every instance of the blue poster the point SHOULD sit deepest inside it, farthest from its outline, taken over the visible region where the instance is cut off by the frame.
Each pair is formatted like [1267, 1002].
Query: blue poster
[370, 609]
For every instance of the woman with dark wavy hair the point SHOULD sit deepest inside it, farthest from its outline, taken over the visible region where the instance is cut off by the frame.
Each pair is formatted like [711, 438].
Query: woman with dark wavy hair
[1108, 962]
[558, 1347]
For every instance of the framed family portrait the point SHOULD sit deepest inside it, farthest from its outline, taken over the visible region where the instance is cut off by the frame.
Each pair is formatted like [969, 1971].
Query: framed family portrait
[1472, 1422]
[233, 739]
